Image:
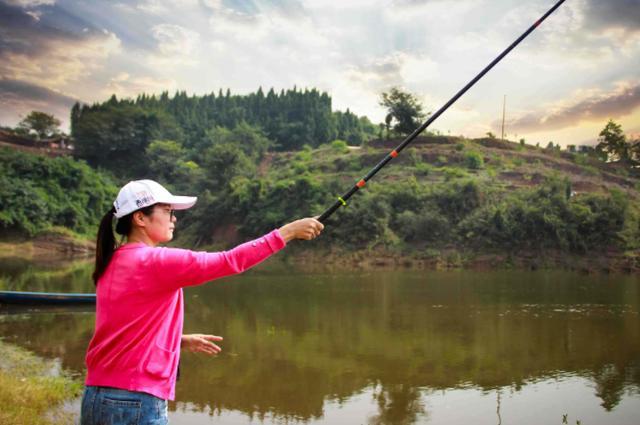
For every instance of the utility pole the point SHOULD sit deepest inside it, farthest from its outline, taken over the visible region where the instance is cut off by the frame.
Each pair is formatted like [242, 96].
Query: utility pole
[504, 105]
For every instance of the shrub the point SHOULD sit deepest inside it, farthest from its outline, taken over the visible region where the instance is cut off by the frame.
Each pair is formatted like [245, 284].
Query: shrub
[305, 155]
[427, 225]
[362, 223]
[451, 173]
[547, 218]
[340, 146]
[423, 169]
[473, 160]
[456, 200]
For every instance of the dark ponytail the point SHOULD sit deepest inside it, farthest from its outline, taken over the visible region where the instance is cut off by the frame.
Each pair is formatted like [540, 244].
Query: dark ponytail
[106, 242]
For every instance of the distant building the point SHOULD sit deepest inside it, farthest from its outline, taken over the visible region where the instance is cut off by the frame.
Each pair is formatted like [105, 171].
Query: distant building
[54, 146]
[58, 142]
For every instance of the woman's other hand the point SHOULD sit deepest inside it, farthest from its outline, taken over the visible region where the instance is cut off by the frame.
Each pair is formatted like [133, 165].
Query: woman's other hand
[305, 228]
[200, 343]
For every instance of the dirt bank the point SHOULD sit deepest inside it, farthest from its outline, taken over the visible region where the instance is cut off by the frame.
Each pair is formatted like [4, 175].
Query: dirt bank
[604, 262]
[47, 246]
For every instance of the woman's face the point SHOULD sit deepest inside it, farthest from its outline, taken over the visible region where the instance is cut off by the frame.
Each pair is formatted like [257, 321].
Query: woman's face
[160, 224]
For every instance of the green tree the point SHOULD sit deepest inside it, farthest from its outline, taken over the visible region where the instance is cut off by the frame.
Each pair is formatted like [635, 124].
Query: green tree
[116, 137]
[613, 142]
[168, 164]
[222, 162]
[404, 109]
[43, 124]
[37, 192]
[251, 140]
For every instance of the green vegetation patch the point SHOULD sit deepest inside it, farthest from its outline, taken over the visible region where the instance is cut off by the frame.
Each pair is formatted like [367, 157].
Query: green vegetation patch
[37, 193]
[29, 392]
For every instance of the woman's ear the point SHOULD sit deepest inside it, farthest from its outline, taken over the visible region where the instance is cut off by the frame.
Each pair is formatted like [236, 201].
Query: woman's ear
[138, 219]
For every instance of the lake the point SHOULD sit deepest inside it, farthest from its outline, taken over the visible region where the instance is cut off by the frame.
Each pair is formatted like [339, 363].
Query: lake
[380, 347]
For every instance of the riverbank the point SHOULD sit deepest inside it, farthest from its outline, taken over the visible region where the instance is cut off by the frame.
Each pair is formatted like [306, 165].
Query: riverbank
[452, 258]
[34, 390]
[59, 244]
[51, 245]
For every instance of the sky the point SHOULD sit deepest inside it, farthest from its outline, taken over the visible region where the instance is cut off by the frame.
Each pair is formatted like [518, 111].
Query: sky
[576, 71]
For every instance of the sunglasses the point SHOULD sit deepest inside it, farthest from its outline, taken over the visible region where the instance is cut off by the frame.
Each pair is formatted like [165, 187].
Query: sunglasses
[172, 213]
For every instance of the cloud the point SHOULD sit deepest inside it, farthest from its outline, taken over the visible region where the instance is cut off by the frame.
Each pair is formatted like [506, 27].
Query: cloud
[160, 7]
[397, 69]
[174, 41]
[30, 3]
[620, 14]
[18, 98]
[268, 33]
[596, 30]
[20, 90]
[34, 50]
[594, 106]
[290, 8]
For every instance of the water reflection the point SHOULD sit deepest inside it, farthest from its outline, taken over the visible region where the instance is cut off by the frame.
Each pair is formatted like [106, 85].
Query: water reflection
[308, 348]
[293, 344]
[62, 276]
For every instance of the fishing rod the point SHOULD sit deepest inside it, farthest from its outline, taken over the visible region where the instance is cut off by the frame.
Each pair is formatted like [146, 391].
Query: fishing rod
[342, 200]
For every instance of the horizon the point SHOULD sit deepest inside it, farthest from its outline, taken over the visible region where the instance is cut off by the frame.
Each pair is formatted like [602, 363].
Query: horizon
[562, 84]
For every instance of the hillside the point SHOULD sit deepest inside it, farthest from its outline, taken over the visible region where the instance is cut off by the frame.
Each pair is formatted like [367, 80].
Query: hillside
[448, 201]
[435, 159]
[444, 202]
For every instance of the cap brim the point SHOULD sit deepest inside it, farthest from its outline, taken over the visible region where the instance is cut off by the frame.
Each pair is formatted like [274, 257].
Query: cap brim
[180, 202]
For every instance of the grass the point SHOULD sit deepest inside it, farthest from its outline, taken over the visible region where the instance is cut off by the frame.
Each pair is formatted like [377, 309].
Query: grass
[29, 392]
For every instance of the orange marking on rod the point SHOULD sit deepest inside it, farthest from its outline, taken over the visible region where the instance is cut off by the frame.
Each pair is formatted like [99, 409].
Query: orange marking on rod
[393, 153]
[361, 183]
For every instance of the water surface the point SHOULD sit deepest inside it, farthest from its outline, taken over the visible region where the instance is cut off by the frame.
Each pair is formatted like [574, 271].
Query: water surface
[382, 347]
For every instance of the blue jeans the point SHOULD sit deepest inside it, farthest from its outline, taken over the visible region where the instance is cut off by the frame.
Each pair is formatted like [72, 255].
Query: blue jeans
[112, 406]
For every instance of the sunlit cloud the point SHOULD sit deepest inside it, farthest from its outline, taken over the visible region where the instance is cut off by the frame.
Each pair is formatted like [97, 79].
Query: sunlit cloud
[592, 105]
[45, 55]
[124, 85]
[63, 62]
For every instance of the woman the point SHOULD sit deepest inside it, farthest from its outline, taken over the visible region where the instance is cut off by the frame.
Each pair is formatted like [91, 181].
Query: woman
[133, 357]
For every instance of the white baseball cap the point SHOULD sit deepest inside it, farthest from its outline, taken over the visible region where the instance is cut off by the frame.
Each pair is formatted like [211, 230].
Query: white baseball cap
[138, 194]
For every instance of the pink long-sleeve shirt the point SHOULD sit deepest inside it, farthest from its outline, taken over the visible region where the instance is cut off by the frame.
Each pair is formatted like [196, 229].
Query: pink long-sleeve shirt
[139, 311]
